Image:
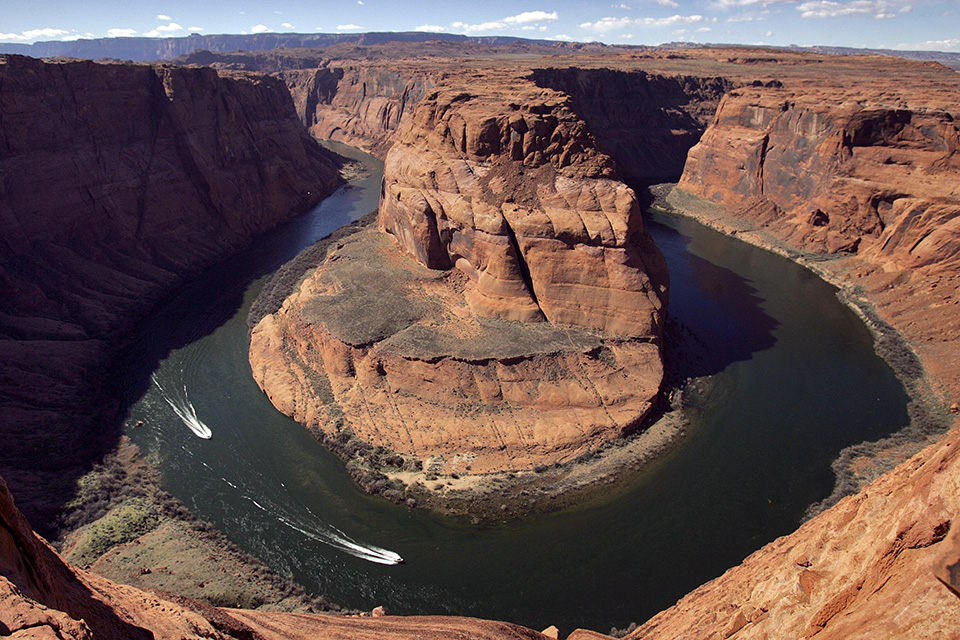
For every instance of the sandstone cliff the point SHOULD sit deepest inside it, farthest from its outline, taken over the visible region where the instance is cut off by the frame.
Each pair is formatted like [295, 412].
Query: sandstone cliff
[647, 122]
[865, 170]
[867, 568]
[120, 181]
[357, 104]
[519, 323]
[357, 96]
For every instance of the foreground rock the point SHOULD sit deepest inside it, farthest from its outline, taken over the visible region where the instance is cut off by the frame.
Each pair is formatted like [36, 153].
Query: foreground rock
[41, 596]
[119, 181]
[863, 569]
[509, 318]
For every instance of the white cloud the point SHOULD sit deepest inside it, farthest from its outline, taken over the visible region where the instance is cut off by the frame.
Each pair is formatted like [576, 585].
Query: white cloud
[287, 25]
[527, 21]
[768, 34]
[169, 28]
[620, 6]
[626, 36]
[260, 28]
[560, 37]
[45, 33]
[528, 17]
[482, 26]
[704, 29]
[951, 44]
[33, 34]
[429, 28]
[830, 9]
[195, 29]
[160, 16]
[348, 27]
[753, 3]
[667, 3]
[73, 37]
[121, 33]
[607, 24]
[359, 1]
[610, 24]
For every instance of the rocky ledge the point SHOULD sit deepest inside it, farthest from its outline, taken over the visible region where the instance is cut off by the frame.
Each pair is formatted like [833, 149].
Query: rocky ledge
[506, 316]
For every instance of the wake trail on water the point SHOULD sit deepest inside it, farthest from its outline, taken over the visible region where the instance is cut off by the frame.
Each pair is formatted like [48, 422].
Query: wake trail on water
[184, 410]
[309, 526]
[326, 533]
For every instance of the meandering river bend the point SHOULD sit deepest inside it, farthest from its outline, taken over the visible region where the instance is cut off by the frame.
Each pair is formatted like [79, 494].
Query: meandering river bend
[786, 377]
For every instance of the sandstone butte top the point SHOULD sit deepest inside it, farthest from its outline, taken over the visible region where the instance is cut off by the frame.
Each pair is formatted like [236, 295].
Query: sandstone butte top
[515, 318]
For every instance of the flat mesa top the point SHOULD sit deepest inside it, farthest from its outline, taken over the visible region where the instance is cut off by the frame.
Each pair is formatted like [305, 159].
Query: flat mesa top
[369, 292]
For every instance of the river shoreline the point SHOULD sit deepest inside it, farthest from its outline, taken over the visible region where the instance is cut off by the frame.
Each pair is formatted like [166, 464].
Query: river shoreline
[482, 499]
[859, 464]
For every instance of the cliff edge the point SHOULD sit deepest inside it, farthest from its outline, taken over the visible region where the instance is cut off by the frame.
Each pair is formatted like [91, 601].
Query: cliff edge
[119, 182]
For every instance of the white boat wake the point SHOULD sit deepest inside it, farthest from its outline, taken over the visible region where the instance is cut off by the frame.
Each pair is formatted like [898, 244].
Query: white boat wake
[332, 536]
[185, 411]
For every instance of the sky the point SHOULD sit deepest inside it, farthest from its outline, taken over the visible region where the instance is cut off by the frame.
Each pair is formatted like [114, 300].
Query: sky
[889, 24]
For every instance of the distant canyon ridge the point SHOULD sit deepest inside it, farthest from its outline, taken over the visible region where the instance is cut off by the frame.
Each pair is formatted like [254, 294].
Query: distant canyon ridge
[521, 272]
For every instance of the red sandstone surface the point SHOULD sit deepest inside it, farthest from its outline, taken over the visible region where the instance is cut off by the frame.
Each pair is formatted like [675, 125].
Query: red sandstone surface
[514, 318]
[882, 175]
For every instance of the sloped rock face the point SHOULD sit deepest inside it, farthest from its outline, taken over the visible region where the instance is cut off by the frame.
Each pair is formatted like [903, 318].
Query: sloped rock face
[119, 181]
[359, 105]
[518, 324]
[863, 569]
[828, 177]
[646, 122]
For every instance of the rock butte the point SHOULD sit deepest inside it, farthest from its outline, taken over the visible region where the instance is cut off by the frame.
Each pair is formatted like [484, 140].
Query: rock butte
[532, 333]
[876, 134]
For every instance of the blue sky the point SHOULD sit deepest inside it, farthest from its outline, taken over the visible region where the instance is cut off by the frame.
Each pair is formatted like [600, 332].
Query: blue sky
[903, 24]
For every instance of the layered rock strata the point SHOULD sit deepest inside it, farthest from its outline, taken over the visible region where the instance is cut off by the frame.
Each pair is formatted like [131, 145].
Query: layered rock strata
[514, 318]
[862, 170]
[647, 122]
[864, 569]
[119, 181]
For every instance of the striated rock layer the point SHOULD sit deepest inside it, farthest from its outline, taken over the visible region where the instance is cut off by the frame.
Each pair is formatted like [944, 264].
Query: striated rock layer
[866, 568]
[119, 181]
[858, 168]
[515, 318]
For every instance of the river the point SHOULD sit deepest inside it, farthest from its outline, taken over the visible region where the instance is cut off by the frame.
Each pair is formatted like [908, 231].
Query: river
[785, 377]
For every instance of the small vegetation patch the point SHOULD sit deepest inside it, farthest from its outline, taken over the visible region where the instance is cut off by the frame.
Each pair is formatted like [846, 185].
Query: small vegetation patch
[125, 523]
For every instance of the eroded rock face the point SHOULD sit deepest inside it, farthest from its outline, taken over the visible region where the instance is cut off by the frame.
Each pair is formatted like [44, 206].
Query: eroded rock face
[359, 105]
[876, 174]
[863, 569]
[120, 181]
[509, 318]
[646, 122]
[522, 202]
